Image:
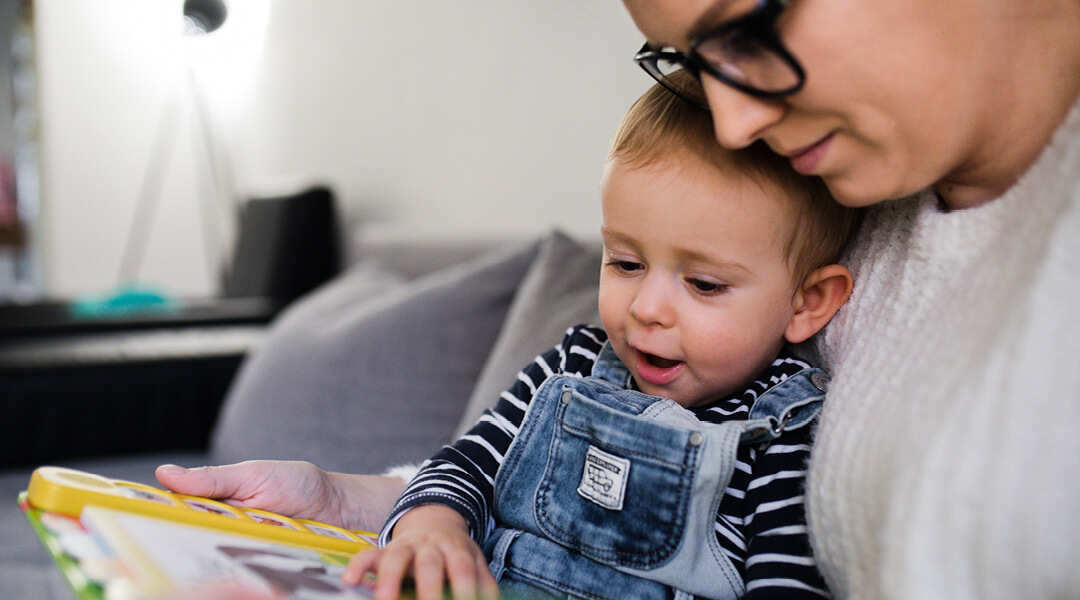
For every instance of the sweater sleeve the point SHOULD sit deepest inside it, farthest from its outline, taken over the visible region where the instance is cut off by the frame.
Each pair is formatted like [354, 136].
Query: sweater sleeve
[462, 476]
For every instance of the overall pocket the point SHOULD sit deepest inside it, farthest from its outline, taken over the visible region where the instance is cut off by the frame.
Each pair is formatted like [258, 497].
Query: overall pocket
[616, 487]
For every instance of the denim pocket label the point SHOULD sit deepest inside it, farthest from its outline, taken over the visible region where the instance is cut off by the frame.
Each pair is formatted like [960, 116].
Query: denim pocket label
[604, 479]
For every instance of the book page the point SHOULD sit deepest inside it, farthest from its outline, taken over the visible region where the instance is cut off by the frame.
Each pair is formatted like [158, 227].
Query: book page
[162, 556]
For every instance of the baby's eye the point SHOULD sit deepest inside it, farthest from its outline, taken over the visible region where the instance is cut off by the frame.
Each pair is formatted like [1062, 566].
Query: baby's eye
[708, 288]
[625, 266]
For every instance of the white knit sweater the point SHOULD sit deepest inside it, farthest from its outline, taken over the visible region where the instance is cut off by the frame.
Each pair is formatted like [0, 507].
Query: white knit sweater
[947, 462]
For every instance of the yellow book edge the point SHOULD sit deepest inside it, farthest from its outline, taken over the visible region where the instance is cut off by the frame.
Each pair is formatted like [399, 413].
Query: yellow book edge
[69, 491]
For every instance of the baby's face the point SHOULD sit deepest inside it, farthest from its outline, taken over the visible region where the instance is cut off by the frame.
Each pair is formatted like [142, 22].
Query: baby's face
[695, 291]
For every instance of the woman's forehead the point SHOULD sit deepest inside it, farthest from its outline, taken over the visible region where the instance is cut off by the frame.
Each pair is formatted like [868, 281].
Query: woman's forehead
[676, 22]
[670, 22]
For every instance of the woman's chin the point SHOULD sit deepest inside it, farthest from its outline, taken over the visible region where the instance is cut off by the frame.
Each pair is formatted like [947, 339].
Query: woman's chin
[853, 190]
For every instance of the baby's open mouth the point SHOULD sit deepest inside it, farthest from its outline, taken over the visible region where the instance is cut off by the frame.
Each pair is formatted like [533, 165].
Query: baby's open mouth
[656, 370]
[660, 362]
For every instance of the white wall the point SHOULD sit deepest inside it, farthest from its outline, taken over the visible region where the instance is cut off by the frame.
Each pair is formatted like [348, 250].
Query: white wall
[447, 118]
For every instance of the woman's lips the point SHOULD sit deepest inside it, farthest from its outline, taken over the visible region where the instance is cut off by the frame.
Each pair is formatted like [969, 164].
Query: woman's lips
[656, 370]
[805, 160]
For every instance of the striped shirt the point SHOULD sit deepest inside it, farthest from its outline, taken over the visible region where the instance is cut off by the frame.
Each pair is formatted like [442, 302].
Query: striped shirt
[760, 524]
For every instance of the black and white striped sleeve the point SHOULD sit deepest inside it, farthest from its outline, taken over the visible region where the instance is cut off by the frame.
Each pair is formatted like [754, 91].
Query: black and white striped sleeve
[462, 476]
[779, 562]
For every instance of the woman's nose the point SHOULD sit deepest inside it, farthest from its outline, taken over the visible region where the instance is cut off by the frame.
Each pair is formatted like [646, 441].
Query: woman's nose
[739, 119]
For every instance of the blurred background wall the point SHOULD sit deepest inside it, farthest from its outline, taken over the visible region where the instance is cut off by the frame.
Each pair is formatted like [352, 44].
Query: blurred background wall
[444, 118]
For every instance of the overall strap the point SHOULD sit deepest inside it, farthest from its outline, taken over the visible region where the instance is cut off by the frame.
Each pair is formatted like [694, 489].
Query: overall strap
[609, 368]
[788, 405]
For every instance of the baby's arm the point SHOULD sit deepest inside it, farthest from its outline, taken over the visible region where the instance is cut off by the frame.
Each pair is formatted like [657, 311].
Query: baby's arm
[462, 476]
[431, 542]
[779, 561]
[446, 511]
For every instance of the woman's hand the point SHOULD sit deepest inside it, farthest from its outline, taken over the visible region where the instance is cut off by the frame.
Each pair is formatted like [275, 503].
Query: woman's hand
[292, 488]
[432, 543]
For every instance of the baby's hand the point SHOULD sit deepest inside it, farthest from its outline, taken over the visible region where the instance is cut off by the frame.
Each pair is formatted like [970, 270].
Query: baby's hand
[429, 542]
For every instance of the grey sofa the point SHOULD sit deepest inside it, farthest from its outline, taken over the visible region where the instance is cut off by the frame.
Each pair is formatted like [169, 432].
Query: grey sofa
[377, 368]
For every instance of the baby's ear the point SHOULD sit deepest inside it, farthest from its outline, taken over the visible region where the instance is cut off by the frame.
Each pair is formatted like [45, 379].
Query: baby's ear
[822, 294]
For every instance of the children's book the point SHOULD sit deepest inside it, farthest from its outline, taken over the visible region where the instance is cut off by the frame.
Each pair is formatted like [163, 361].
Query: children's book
[119, 540]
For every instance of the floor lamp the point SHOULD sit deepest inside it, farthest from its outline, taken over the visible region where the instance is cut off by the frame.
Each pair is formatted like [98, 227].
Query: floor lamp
[200, 17]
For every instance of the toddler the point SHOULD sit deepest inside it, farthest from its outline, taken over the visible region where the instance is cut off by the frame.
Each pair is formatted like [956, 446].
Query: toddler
[663, 455]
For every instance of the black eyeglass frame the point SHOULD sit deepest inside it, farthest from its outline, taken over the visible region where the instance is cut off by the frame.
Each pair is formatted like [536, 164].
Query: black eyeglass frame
[759, 22]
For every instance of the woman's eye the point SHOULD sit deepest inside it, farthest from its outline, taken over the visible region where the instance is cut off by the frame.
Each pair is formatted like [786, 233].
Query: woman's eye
[739, 45]
[707, 287]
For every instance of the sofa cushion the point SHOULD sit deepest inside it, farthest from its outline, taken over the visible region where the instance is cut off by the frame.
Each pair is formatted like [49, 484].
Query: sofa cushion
[358, 380]
[559, 291]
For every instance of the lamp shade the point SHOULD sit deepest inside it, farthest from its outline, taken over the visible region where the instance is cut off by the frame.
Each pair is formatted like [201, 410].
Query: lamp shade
[204, 16]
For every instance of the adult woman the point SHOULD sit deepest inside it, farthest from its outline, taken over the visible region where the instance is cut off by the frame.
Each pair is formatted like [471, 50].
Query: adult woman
[946, 458]
[937, 471]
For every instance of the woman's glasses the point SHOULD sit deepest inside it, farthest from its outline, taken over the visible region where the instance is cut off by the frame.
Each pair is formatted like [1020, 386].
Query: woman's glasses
[744, 53]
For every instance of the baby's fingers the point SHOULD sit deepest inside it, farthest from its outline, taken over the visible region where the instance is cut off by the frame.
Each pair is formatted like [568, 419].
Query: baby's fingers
[470, 578]
[393, 564]
[428, 571]
[488, 587]
[461, 573]
[360, 565]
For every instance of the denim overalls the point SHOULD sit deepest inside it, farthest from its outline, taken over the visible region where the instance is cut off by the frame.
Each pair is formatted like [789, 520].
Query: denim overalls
[609, 493]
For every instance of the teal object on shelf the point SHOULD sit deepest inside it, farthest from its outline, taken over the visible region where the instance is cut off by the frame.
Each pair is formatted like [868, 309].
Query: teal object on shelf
[135, 299]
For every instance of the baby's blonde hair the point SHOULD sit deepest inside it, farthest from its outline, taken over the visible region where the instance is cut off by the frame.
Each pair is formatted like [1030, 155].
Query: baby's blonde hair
[660, 124]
